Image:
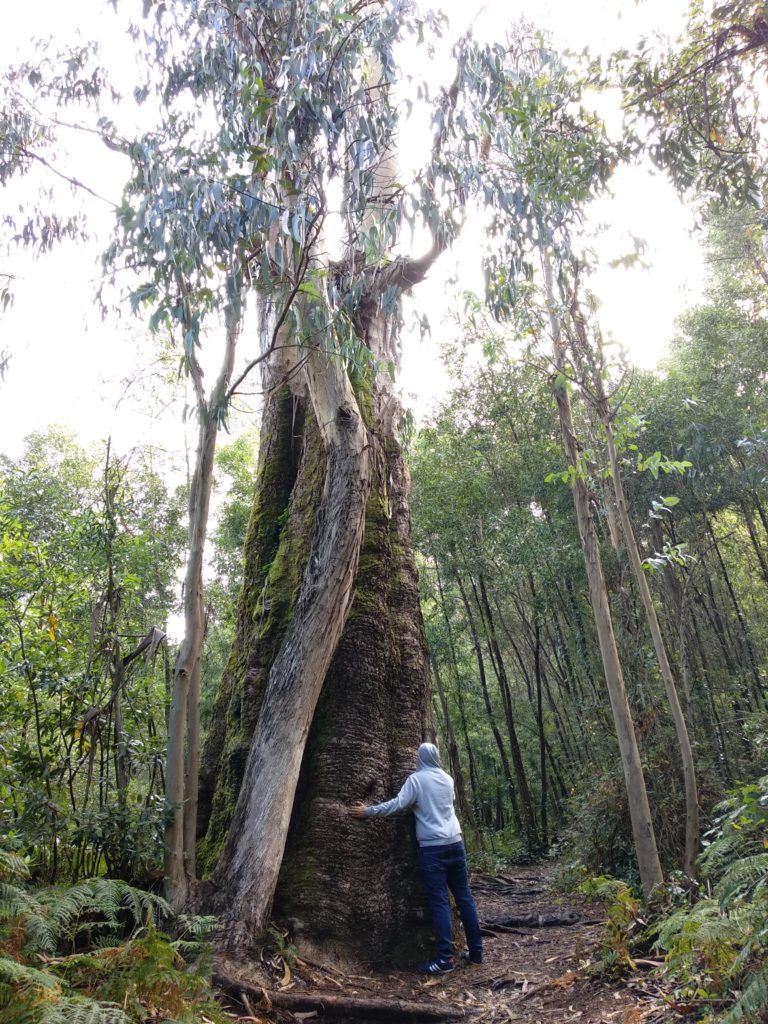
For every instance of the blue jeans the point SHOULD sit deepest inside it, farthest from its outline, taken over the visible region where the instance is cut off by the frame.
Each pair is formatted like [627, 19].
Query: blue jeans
[443, 868]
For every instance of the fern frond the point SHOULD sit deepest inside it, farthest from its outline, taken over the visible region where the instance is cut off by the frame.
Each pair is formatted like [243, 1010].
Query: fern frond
[742, 876]
[50, 916]
[12, 866]
[21, 904]
[25, 978]
[32, 996]
[196, 924]
[15, 901]
[724, 928]
[693, 926]
[753, 1002]
[88, 1011]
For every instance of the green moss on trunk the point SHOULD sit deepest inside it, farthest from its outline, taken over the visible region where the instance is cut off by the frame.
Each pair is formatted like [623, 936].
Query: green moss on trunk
[291, 473]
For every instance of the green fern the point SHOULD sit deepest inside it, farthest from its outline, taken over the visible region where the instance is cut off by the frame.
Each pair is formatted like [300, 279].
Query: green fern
[32, 996]
[85, 1011]
[15, 975]
[752, 1004]
[12, 866]
[52, 916]
[720, 944]
[747, 875]
[119, 976]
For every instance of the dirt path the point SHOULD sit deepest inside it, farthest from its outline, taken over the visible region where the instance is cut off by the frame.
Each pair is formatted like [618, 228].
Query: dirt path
[531, 974]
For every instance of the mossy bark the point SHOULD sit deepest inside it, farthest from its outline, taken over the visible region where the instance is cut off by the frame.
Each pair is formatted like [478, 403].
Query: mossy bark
[288, 485]
[343, 882]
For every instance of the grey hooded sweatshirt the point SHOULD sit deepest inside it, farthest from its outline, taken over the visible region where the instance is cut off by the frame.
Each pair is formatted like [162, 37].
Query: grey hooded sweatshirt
[429, 791]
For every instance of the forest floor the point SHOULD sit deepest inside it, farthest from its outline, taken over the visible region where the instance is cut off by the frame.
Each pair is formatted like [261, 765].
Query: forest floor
[538, 969]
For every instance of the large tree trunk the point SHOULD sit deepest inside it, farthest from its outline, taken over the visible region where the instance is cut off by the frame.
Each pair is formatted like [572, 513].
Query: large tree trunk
[373, 712]
[326, 695]
[326, 698]
[246, 874]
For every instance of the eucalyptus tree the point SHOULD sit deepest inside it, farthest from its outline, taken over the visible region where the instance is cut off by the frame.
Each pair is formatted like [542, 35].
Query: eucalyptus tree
[548, 158]
[229, 210]
[171, 231]
[696, 105]
[587, 350]
[37, 98]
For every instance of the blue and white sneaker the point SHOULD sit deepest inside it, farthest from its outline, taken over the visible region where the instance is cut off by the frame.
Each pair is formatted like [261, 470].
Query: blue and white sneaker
[439, 965]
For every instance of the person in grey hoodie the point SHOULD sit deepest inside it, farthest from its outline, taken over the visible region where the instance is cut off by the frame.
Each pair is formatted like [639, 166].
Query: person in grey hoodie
[442, 860]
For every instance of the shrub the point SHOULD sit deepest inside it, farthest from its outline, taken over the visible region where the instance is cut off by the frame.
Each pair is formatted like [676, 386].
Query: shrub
[718, 947]
[91, 953]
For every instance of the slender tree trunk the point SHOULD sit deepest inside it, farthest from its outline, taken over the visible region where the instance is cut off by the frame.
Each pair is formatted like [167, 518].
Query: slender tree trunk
[121, 751]
[712, 612]
[583, 646]
[526, 800]
[640, 815]
[459, 696]
[761, 513]
[191, 774]
[465, 807]
[757, 546]
[542, 737]
[489, 707]
[560, 724]
[758, 688]
[177, 865]
[692, 838]
[559, 790]
[716, 726]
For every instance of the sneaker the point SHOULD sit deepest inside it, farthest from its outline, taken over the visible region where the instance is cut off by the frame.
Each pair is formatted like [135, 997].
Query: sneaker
[438, 966]
[471, 958]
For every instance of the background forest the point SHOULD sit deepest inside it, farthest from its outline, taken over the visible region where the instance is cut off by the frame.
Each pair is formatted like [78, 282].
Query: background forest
[574, 519]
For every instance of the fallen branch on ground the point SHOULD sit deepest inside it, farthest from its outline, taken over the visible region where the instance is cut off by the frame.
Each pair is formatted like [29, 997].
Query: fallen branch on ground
[335, 1005]
[533, 921]
[490, 930]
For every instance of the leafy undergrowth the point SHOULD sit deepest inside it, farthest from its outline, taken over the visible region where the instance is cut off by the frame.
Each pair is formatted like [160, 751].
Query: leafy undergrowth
[717, 948]
[713, 936]
[92, 953]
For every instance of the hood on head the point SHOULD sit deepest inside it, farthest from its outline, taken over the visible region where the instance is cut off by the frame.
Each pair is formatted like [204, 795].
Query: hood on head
[428, 756]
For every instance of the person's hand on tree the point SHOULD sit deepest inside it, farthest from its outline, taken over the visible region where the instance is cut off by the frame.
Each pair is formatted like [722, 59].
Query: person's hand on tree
[357, 810]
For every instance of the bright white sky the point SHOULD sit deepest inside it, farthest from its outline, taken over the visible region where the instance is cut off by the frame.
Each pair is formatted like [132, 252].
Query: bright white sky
[66, 361]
